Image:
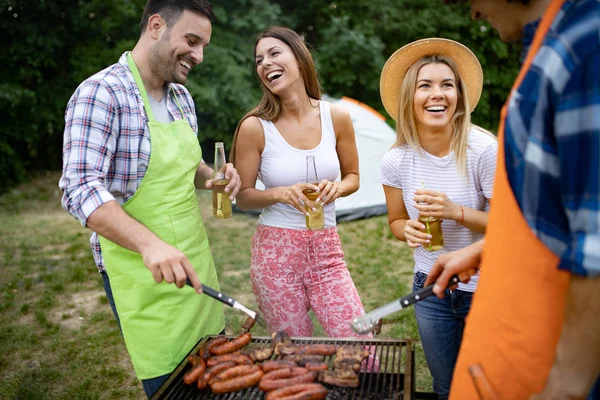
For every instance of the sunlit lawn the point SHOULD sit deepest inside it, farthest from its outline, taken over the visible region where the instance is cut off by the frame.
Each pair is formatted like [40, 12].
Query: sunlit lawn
[58, 338]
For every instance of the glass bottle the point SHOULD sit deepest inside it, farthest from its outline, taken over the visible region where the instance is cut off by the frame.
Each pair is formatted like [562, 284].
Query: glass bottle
[433, 227]
[220, 198]
[315, 220]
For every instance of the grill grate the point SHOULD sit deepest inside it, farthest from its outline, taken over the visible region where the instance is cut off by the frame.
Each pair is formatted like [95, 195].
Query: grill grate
[394, 379]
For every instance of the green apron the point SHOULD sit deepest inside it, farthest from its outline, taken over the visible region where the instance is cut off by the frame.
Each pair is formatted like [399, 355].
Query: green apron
[161, 323]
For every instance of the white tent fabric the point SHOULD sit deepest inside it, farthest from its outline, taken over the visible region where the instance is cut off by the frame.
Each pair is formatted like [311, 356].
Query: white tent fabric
[374, 137]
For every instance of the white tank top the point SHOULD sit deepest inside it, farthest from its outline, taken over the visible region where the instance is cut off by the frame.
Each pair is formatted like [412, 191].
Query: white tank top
[284, 165]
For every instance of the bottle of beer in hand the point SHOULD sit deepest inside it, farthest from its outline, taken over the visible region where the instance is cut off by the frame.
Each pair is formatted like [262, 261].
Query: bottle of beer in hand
[433, 227]
[315, 220]
[220, 198]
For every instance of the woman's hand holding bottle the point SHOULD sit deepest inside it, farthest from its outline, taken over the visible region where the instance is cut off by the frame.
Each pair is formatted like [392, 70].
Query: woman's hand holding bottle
[330, 191]
[294, 196]
[416, 234]
[436, 204]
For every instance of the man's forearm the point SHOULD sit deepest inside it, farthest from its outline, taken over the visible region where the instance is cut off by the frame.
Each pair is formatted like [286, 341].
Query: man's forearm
[113, 223]
[203, 173]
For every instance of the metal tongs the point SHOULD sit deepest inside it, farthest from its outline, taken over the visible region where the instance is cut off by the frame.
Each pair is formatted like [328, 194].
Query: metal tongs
[231, 302]
[368, 322]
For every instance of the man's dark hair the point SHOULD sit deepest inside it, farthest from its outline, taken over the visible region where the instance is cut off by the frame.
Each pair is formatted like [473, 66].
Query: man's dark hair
[171, 10]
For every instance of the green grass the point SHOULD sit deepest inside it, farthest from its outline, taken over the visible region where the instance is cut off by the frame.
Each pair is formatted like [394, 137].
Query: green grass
[58, 338]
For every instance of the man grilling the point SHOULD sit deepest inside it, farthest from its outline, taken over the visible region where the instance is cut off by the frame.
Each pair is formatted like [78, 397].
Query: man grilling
[533, 326]
[131, 164]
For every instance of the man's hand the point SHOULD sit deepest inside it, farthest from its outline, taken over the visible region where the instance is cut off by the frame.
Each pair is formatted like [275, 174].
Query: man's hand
[169, 264]
[233, 187]
[463, 262]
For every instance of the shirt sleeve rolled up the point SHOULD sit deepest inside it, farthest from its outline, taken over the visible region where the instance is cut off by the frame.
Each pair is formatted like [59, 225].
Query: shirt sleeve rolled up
[90, 138]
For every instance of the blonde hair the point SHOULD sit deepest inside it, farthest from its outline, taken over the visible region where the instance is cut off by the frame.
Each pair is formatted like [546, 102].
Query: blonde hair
[406, 127]
[269, 107]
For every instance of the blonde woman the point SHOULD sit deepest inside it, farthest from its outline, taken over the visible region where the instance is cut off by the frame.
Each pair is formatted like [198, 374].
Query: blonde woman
[440, 166]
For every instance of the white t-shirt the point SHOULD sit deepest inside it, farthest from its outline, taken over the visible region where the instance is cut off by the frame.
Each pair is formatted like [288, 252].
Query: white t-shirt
[407, 169]
[281, 164]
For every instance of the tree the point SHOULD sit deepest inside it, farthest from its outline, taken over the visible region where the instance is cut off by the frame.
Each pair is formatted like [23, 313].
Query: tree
[56, 44]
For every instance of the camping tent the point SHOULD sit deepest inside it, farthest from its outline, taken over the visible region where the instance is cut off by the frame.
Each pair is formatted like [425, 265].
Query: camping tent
[374, 137]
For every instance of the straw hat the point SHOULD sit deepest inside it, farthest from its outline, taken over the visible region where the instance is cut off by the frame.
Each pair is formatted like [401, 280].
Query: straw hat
[396, 66]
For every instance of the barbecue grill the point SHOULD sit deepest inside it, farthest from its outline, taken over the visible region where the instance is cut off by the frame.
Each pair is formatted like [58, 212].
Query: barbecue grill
[393, 380]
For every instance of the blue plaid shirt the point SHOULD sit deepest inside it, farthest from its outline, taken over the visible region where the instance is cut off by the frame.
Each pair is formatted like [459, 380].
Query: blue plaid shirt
[552, 138]
[106, 147]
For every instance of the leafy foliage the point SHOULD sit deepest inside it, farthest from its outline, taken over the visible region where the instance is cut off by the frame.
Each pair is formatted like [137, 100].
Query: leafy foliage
[53, 45]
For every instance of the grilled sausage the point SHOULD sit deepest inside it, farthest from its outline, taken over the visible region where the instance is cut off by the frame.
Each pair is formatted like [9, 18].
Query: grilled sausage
[314, 366]
[303, 391]
[233, 345]
[237, 378]
[268, 366]
[286, 377]
[207, 353]
[248, 324]
[235, 357]
[320, 349]
[304, 358]
[211, 372]
[198, 367]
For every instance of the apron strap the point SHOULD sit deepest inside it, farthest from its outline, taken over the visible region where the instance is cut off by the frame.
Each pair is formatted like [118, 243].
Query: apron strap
[178, 104]
[140, 85]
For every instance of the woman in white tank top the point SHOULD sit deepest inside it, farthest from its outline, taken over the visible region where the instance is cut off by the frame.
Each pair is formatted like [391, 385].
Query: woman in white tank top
[293, 269]
[430, 87]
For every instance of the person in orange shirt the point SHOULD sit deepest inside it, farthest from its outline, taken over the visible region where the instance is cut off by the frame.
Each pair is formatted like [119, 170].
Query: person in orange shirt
[533, 326]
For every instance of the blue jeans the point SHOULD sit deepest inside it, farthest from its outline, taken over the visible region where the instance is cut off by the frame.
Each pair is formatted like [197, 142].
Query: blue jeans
[441, 323]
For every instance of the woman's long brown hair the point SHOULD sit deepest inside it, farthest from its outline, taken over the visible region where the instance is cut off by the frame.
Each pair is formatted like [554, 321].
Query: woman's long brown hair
[269, 107]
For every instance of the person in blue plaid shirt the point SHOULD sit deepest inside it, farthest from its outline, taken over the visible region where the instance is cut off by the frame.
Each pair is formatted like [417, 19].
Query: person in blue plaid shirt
[552, 158]
[131, 165]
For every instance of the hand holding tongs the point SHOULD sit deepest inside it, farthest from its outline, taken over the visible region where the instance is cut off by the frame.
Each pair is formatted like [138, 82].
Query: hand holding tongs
[366, 323]
[231, 302]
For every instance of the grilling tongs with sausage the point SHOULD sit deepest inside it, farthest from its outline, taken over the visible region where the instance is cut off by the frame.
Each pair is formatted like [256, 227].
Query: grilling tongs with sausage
[231, 302]
[366, 323]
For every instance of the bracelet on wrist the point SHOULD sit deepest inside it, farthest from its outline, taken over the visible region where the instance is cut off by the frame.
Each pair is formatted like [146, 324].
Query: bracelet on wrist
[462, 215]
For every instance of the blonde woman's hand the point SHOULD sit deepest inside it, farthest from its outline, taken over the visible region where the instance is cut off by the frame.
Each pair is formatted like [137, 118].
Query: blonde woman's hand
[415, 233]
[330, 191]
[439, 205]
[293, 196]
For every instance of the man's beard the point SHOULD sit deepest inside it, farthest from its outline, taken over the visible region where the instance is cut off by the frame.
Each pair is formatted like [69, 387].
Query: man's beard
[160, 61]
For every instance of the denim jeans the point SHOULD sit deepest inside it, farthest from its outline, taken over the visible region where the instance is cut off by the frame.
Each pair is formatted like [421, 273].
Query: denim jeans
[441, 323]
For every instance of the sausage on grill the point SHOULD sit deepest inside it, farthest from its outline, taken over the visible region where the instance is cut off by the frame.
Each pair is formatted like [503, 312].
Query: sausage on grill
[248, 324]
[233, 345]
[314, 366]
[206, 349]
[272, 365]
[237, 378]
[281, 378]
[235, 357]
[303, 391]
[198, 367]
[320, 349]
[211, 372]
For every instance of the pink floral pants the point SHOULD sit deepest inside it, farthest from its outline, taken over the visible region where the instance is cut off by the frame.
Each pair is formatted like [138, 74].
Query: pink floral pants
[294, 271]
